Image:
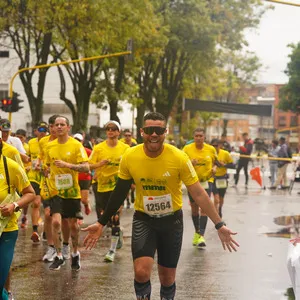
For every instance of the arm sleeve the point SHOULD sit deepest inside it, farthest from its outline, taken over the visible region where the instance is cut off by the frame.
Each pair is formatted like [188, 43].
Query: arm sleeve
[116, 199]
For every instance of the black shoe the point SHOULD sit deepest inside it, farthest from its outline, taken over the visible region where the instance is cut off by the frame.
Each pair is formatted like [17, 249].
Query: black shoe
[58, 262]
[76, 262]
[272, 187]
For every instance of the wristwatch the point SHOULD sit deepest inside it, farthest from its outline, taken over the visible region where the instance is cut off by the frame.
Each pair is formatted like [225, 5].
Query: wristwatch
[17, 207]
[219, 225]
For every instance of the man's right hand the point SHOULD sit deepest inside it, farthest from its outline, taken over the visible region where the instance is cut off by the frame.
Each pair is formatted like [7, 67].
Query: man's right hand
[94, 233]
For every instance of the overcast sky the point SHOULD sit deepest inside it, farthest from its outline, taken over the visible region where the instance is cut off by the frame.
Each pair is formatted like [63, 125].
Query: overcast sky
[278, 28]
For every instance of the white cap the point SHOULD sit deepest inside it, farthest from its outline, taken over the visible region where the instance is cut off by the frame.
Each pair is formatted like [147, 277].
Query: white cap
[78, 136]
[113, 122]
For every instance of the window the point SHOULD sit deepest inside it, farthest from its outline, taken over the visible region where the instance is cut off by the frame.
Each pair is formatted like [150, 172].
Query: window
[282, 121]
[293, 121]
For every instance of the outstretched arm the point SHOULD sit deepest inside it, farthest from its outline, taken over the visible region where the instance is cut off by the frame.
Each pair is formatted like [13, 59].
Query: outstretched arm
[200, 196]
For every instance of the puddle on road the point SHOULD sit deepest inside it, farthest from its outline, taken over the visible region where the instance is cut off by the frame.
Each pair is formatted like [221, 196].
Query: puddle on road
[291, 227]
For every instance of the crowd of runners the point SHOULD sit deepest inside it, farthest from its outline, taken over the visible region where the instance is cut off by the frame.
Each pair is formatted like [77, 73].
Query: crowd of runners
[54, 172]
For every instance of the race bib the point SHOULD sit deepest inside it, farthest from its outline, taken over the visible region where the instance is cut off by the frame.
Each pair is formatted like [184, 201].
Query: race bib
[63, 181]
[221, 183]
[205, 185]
[158, 205]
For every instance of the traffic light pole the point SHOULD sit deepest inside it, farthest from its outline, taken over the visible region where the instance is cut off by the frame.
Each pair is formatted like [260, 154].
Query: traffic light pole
[283, 2]
[59, 64]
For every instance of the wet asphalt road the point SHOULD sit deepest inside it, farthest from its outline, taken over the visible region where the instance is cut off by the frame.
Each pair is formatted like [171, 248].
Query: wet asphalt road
[256, 272]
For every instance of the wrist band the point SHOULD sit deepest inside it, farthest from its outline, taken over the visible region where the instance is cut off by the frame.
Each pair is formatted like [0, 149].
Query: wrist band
[219, 225]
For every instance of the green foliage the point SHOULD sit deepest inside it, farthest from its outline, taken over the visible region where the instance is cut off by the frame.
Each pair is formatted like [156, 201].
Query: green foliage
[290, 93]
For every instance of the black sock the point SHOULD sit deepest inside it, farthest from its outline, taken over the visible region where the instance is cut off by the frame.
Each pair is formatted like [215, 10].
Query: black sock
[142, 290]
[196, 223]
[35, 228]
[115, 231]
[168, 292]
[203, 222]
[66, 244]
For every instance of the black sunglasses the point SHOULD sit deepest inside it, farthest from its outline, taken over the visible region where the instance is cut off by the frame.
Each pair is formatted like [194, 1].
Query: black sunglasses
[151, 129]
[111, 128]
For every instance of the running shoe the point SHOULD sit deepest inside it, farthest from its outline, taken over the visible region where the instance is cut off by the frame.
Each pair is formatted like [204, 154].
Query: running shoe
[110, 256]
[35, 237]
[50, 254]
[121, 240]
[201, 241]
[10, 296]
[65, 251]
[196, 239]
[58, 262]
[24, 222]
[76, 262]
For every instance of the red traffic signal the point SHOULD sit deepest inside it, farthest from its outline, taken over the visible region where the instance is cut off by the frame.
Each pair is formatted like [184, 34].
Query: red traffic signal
[6, 104]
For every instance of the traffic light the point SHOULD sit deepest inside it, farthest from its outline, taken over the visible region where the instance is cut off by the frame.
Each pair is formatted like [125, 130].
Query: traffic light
[15, 105]
[6, 104]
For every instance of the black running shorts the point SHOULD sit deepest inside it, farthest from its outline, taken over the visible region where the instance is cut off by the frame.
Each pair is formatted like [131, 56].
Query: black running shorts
[84, 184]
[163, 235]
[36, 187]
[68, 208]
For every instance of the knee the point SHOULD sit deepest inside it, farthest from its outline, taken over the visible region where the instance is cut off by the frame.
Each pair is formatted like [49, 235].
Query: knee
[141, 274]
[36, 203]
[115, 220]
[56, 224]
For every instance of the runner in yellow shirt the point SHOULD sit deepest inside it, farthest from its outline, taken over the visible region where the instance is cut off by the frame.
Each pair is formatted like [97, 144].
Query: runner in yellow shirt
[65, 157]
[35, 175]
[221, 182]
[105, 160]
[158, 170]
[9, 212]
[203, 157]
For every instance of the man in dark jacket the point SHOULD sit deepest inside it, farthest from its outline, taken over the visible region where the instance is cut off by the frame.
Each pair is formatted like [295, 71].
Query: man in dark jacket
[282, 164]
[244, 161]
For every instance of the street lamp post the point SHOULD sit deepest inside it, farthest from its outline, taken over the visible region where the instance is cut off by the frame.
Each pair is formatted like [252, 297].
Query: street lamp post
[59, 64]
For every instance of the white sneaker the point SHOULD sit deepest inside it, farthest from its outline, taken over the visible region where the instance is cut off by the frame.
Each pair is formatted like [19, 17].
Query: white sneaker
[110, 256]
[65, 251]
[50, 254]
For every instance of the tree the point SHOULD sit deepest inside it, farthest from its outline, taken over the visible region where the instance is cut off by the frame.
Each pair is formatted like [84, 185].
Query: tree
[103, 27]
[28, 27]
[290, 93]
[197, 29]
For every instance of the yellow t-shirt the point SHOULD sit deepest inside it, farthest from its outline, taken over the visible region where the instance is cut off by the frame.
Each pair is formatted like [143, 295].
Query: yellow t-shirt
[158, 180]
[18, 180]
[64, 181]
[206, 157]
[33, 152]
[26, 147]
[107, 175]
[224, 157]
[43, 142]
[12, 153]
